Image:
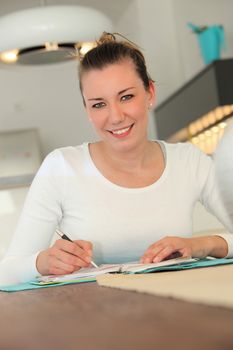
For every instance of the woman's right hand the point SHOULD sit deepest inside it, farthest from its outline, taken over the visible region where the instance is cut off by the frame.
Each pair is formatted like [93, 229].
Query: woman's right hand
[64, 257]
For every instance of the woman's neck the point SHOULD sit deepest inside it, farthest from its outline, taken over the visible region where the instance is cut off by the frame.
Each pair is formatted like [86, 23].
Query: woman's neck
[127, 160]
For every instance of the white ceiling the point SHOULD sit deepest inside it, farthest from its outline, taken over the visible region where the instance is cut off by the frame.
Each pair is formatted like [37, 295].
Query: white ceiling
[113, 9]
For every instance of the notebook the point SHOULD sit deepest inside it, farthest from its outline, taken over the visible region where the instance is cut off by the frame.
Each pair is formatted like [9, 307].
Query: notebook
[134, 267]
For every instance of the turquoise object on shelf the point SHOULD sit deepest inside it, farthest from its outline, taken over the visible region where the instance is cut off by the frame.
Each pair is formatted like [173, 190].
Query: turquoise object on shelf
[211, 41]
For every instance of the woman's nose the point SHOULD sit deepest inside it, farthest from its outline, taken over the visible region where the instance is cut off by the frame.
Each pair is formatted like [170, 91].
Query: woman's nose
[116, 114]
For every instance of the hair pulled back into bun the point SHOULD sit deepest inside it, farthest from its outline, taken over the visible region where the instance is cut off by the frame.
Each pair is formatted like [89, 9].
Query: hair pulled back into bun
[109, 50]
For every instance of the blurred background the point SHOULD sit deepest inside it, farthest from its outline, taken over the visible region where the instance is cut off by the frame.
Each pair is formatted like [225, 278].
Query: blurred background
[41, 108]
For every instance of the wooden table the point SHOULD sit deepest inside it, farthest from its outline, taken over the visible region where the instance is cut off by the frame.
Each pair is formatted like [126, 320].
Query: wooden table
[90, 317]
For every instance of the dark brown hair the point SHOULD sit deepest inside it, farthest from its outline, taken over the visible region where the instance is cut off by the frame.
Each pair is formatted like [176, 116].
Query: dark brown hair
[109, 51]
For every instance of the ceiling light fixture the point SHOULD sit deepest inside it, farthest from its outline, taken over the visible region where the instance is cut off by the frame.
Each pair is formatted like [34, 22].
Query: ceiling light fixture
[48, 34]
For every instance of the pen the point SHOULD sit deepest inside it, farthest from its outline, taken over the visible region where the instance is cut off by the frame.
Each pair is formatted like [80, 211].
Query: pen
[63, 236]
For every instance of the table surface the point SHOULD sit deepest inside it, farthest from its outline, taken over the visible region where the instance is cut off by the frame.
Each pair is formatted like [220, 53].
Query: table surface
[87, 316]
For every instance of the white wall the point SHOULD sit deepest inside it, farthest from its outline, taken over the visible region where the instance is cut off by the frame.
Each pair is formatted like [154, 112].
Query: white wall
[47, 98]
[199, 12]
[11, 202]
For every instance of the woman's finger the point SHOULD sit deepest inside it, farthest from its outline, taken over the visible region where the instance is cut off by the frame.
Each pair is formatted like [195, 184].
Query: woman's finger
[150, 253]
[164, 254]
[70, 259]
[72, 248]
[85, 245]
[57, 271]
[174, 255]
[55, 263]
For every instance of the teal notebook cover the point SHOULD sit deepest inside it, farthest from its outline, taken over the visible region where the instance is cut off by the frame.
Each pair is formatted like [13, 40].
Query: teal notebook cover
[182, 266]
[36, 285]
[207, 262]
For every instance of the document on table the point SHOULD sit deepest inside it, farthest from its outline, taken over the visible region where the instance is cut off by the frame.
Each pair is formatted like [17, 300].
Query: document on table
[134, 267]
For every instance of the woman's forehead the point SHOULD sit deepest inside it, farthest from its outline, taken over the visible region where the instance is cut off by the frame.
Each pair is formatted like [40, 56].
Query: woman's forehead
[120, 73]
[122, 65]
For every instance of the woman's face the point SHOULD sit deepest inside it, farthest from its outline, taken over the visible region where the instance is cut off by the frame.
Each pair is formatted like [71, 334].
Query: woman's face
[117, 104]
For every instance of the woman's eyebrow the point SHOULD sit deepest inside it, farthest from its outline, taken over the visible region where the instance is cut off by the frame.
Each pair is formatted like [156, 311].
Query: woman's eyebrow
[101, 98]
[123, 91]
[95, 99]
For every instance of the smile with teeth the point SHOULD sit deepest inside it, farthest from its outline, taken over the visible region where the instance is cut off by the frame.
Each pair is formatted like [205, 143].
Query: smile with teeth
[121, 131]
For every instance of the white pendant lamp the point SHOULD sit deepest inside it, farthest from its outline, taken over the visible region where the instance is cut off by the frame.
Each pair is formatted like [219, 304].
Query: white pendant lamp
[48, 34]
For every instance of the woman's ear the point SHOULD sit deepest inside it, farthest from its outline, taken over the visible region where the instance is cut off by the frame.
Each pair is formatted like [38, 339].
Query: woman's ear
[152, 94]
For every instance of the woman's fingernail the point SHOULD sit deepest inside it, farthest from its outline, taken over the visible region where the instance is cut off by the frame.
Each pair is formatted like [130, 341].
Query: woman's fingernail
[147, 261]
[155, 260]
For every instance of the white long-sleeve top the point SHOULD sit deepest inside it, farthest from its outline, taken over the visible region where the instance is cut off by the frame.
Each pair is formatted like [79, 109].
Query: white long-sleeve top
[69, 192]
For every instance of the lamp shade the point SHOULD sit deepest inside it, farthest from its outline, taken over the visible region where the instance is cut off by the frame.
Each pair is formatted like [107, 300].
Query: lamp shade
[43, 31]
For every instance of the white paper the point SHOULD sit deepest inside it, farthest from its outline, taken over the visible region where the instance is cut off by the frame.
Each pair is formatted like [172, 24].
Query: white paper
[133, 267]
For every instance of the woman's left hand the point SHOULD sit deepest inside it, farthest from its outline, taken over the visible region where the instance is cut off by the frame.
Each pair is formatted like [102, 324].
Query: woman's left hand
[165, 247]
[198, 247]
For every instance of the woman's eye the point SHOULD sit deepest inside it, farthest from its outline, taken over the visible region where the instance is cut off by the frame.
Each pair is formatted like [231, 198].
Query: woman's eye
[98, 105]
[126, 97]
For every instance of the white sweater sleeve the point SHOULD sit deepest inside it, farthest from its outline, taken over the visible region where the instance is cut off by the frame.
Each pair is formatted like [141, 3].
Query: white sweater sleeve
[41, 214]
[211, 198]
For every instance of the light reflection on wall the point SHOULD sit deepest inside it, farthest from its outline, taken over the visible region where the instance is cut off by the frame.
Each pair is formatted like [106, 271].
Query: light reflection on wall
[207, 131]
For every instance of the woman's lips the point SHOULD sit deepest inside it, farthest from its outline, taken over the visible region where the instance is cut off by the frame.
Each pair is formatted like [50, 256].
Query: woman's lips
[120, 133]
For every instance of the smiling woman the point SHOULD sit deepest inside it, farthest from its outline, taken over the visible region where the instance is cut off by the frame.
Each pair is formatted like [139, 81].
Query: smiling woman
[123, 198]
[120, 111]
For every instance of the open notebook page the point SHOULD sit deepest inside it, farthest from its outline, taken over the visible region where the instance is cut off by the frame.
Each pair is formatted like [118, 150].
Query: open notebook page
[134, 267]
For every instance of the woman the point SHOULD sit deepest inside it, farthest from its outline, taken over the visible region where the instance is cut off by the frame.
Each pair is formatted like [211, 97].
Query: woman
[120, 199]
